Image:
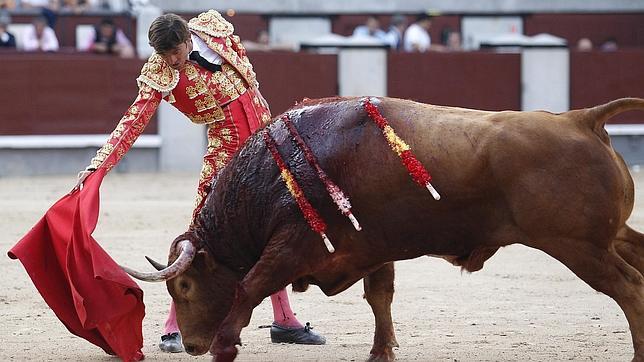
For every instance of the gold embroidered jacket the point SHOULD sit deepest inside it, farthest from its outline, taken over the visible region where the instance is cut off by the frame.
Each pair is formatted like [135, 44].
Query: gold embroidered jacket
[196, 92]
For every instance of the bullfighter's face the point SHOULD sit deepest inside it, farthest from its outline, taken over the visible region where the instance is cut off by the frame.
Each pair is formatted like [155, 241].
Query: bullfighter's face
[177, 57]
[202, 295]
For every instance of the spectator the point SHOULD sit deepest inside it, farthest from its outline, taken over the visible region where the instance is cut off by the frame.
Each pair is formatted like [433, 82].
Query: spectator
[75, 6]
[49, 9]
[40, 37]
[7, 4]
[107, 38]
[370, 28]
[609, 45]
[453, 41]
[584, 45]
[394, 36]
[7, 40]
[261, 44]
[417, 37]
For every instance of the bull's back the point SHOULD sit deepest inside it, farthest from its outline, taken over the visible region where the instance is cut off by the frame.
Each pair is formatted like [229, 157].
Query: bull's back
[392, 208]
[538, 170]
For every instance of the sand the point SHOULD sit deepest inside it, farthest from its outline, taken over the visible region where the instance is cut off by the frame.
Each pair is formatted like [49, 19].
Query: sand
[523, 305]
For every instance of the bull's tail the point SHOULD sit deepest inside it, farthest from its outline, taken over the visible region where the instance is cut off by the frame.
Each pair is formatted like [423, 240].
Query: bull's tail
[595, 118]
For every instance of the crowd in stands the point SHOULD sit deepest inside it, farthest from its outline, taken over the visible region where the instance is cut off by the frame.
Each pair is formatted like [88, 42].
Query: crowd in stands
[73, 6]
[409, 37]
[39, 36]
[403, 33]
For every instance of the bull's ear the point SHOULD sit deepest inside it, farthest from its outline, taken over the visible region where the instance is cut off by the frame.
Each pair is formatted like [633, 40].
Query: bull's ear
[204, 260]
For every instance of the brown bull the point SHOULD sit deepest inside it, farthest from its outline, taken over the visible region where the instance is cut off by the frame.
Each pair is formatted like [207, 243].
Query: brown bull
[549, 181]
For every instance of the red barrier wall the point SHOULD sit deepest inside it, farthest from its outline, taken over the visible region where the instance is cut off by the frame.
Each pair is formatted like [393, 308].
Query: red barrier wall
[65, 93]
[83, 94]
[286, 78]
[627, 29]
[479, 80]
[598, 77]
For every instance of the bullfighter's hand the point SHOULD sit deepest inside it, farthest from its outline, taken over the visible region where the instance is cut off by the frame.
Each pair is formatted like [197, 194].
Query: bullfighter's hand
[81, 178]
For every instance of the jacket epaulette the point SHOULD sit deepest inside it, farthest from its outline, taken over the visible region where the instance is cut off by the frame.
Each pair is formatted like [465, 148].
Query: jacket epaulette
[211, 23]
[157, 74]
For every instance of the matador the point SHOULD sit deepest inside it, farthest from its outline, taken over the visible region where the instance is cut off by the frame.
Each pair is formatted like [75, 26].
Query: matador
[202, 69]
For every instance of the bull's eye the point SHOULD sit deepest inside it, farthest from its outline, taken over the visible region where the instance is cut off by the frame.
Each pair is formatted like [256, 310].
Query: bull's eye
[184, 286]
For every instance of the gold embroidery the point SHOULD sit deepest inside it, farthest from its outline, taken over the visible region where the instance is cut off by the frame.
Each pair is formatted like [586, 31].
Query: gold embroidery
[216, 115]
[120, 153]
[211, 23]
[242, 64]
[145, 91]
[207, 102]
[118, 131]
[191, 71]
[199, 88]
[221, 159]
[207, 171]
[101, 155]
[158, 75]
[218, 80]
[214, 142]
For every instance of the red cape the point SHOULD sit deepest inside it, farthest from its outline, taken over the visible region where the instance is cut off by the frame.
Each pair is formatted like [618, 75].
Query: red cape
[86, 289]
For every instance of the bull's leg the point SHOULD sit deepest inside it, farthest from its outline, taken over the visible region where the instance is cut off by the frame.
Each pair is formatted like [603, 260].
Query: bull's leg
[379, 292]
[606, 271]
[630, 246]
[272, 272]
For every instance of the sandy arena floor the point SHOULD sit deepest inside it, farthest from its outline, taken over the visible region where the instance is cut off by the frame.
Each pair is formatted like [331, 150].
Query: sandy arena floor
[523, 305]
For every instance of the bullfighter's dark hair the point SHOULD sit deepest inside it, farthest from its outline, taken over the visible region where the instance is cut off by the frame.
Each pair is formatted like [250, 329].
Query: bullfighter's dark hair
[167, 32]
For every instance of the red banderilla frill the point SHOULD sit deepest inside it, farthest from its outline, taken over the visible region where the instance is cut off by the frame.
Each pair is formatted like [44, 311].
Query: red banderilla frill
[416, 169]
[310, 214]
[336, 194]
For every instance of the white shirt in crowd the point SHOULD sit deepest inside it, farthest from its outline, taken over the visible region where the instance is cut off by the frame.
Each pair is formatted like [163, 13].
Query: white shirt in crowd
[48, 43]
[363, 30]
[394, 38]
[416, 39]
[87, 42]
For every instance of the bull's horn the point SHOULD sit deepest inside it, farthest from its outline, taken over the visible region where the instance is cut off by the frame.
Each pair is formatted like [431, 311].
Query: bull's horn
[156, 264]
[179, 266]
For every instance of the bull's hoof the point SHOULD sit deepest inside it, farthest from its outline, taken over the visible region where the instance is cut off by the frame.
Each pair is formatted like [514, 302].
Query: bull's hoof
[384, 356]
[227, 354]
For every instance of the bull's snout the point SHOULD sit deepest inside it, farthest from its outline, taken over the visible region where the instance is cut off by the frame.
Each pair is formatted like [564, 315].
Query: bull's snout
[194, 350]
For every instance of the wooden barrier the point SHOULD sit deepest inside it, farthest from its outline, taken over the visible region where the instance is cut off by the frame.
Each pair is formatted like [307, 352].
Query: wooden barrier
[479, 80]
[54, 93]
[72, 93]
[598, 77]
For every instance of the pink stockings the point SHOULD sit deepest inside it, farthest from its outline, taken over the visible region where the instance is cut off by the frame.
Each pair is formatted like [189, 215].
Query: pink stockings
[282, 314]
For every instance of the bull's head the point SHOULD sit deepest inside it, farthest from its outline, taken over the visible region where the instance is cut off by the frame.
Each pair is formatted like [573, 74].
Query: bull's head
[201, 289]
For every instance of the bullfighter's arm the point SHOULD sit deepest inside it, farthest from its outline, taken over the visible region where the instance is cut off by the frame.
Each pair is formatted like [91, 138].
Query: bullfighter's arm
[128, 129]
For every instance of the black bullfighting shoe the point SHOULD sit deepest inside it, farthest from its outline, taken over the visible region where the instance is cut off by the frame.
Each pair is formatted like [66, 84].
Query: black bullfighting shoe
[302, 335]
[171, 343]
